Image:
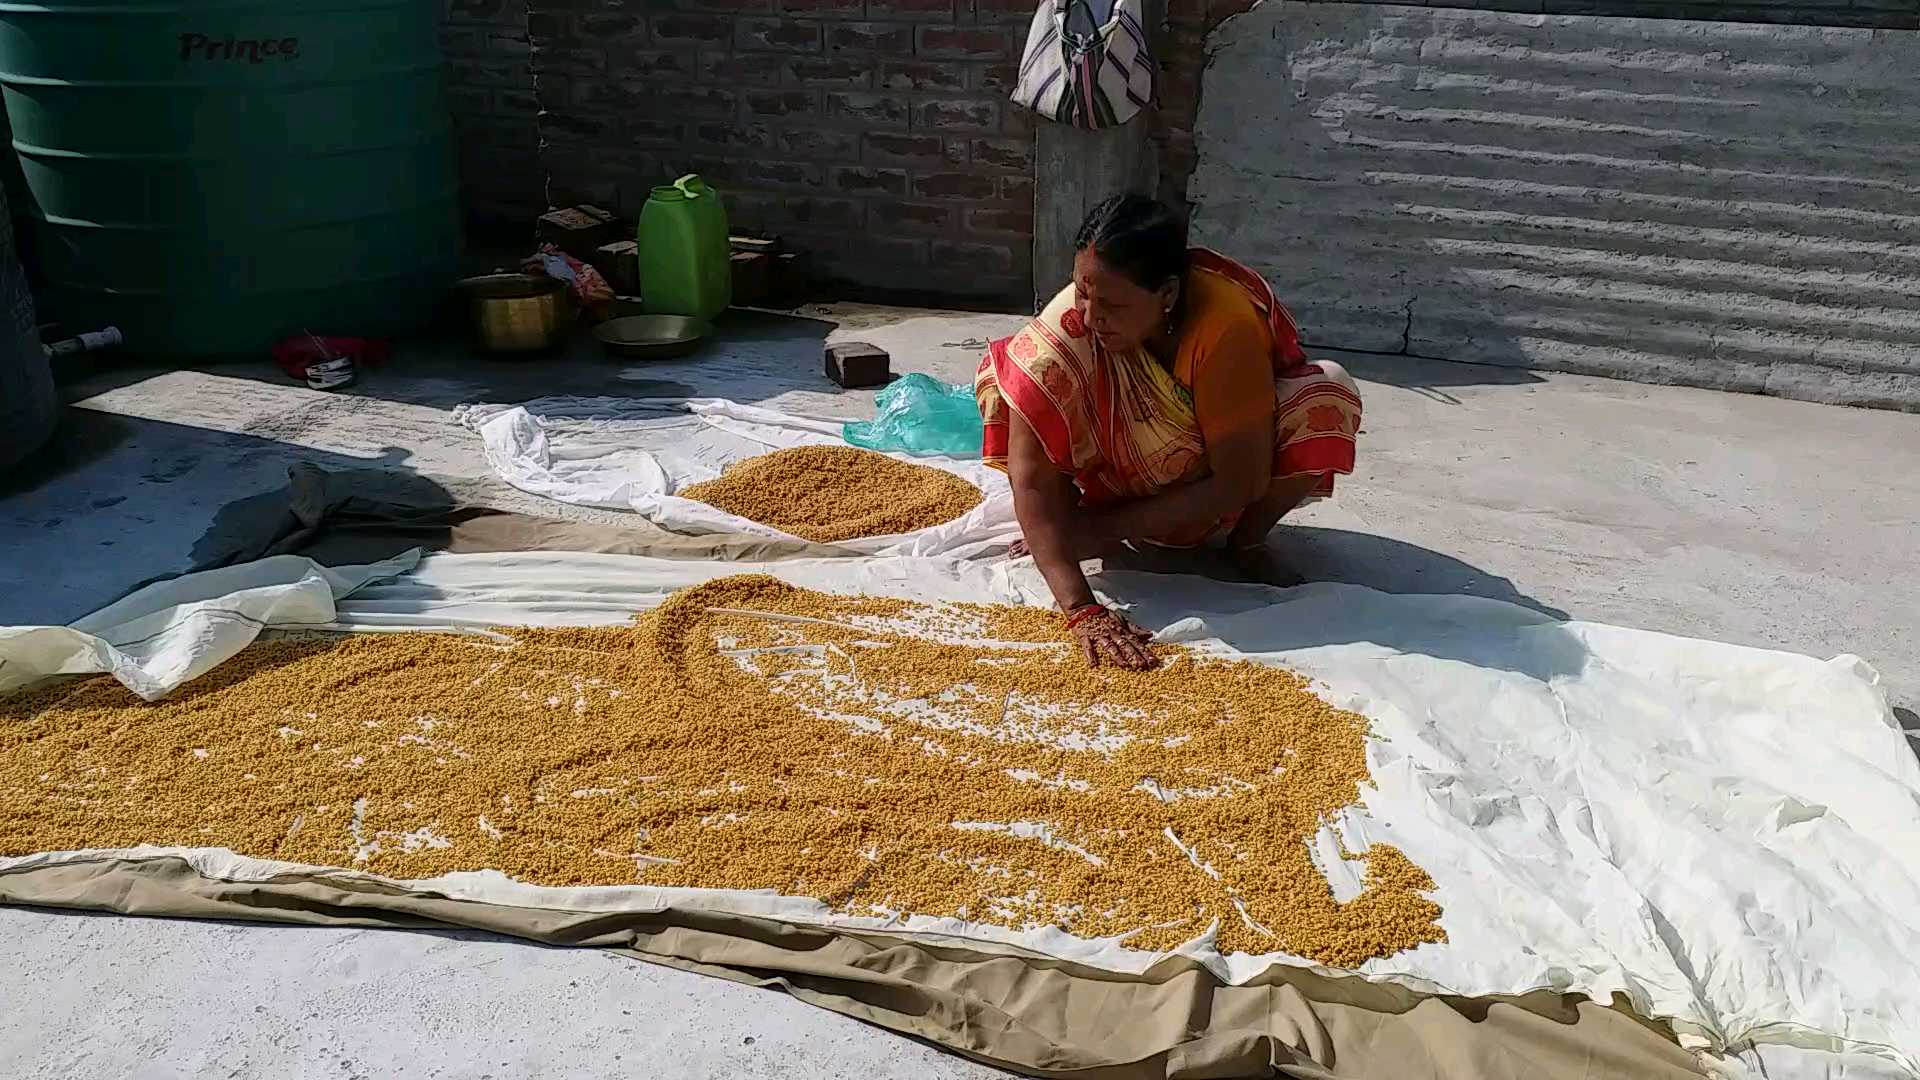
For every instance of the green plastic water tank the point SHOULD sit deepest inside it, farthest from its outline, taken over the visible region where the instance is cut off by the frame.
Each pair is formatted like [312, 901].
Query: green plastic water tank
[685, 256]
[211, 175]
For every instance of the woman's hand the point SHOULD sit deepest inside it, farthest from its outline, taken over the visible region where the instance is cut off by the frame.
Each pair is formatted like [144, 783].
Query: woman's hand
[1109, 635]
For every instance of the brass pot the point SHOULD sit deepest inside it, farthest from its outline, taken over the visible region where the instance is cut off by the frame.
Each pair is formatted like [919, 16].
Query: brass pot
[518, 312]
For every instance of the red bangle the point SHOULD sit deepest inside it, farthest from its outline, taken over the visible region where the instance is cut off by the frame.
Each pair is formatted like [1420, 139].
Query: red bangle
[1083, 613]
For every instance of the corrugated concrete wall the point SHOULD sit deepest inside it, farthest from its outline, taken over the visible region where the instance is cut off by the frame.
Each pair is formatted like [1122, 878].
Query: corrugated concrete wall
[1716, 204]
[1180, 46]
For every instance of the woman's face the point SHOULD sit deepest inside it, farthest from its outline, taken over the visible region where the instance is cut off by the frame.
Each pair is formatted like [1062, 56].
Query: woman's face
[1122, 315]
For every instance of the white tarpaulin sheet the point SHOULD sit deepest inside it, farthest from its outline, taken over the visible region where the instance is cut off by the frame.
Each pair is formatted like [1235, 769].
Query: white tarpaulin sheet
[636, 453]
[1728, 836]
[160, 636]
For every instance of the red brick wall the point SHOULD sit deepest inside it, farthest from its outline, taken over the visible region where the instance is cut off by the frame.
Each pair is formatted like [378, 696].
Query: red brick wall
[490, 93]
[874, 134]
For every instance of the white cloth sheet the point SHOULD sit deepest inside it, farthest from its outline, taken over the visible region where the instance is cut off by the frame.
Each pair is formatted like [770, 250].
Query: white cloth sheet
[636, 453]
[160, 636]
[1729, 836]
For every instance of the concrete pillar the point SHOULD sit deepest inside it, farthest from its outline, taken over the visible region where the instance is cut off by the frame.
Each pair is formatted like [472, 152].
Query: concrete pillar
[1074, 170]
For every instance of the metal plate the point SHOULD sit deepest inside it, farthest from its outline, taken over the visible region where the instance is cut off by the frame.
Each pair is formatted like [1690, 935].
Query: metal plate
[652, 337]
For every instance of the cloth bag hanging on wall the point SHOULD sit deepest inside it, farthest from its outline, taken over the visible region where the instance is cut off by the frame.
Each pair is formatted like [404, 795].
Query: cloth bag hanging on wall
[1083, 69]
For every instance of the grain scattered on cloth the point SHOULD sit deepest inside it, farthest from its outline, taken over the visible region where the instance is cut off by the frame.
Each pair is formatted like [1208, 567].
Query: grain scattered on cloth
[831, 493]
[877, 754]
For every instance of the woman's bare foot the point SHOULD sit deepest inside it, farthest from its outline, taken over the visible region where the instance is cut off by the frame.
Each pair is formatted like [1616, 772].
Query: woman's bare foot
[1018, 549]
[1260, 563]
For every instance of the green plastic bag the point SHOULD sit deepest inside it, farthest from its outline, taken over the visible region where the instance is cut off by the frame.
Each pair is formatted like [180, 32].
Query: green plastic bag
[919, 414]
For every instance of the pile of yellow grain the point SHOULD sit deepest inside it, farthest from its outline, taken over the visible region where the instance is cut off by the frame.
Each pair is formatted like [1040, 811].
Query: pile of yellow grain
[852, 759]
[830, 493]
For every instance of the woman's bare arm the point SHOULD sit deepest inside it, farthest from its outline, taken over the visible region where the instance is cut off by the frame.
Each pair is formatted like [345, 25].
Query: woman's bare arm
[1047, 505]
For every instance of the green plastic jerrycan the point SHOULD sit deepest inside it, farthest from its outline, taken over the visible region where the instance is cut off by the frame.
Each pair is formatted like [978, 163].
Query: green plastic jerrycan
[685, 257]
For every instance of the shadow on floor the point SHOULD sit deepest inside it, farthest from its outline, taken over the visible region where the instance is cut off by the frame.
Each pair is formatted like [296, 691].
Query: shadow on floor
[117, 501]
[1393, 566]
[753, 354]
[325, 516]
[1461, 612]
[1428, 377]
[80, 438]
[1353, 558]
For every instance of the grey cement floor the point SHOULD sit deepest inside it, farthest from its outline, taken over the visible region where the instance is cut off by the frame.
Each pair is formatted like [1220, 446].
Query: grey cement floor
[1745, 519]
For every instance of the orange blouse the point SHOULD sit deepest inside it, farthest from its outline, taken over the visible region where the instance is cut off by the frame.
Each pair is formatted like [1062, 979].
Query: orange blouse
[1223, 327]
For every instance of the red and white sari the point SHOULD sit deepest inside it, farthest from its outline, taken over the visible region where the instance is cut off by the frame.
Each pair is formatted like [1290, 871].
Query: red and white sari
[1123, 424]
